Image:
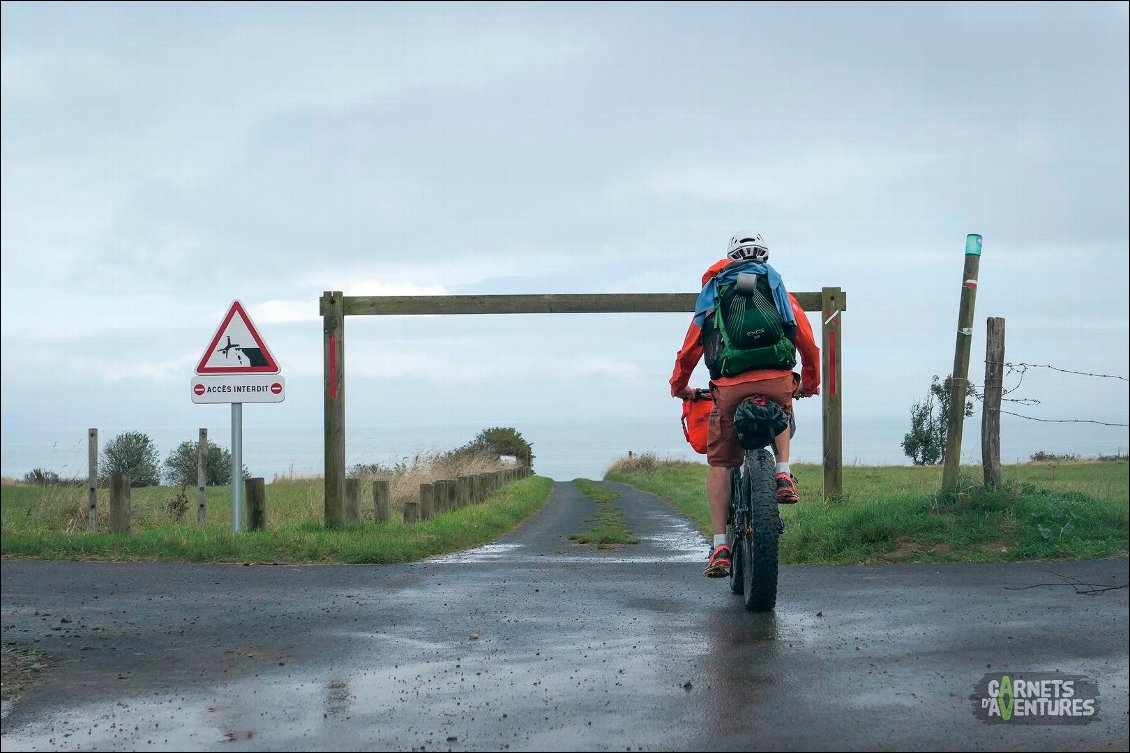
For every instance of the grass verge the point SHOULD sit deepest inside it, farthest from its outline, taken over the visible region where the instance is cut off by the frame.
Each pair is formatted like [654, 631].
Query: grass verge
[894, 514]
[27, 514]
[608, 531]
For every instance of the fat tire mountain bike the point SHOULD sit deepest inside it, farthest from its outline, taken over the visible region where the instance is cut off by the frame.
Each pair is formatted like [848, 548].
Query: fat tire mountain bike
[754, 526]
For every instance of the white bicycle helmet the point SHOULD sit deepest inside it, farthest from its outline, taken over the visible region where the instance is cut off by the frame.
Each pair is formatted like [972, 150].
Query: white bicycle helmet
[748, 247]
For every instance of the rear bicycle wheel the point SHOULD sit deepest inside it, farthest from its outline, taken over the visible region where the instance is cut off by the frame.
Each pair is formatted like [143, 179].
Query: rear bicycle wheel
[759, 540]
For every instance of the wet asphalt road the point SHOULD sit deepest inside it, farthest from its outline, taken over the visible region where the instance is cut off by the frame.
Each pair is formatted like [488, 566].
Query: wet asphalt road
[576, 649]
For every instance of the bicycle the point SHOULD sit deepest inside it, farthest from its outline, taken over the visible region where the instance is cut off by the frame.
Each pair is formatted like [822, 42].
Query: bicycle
[753, 522]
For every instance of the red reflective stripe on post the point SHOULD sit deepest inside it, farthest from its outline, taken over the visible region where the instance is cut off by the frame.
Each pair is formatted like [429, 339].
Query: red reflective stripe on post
[333, 367]
[832, 363]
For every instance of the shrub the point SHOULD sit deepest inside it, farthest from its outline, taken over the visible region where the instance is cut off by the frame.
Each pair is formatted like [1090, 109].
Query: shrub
[493, 443]
[645, 463]
[41, 477]
[1052, 457]
[133, 454]
[180, 466]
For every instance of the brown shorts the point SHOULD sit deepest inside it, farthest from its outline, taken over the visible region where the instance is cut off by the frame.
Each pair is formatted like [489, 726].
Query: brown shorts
[722, 448]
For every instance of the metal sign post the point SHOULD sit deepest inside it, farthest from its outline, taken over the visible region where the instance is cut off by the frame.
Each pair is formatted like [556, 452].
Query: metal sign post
[236, 465]
[237, 368]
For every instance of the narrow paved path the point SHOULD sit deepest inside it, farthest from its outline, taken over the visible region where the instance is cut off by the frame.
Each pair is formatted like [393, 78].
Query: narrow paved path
[576, 649]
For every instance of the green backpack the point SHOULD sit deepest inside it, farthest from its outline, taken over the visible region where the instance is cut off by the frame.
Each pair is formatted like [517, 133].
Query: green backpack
[745, 332]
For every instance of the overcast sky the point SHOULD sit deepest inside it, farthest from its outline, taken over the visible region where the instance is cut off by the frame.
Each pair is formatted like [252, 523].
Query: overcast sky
[159, 161]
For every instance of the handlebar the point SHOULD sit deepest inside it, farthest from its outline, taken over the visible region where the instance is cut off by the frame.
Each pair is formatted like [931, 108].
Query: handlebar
[706, 394]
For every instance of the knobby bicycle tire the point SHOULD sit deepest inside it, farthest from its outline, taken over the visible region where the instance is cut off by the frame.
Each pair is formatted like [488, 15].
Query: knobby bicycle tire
[759, 546]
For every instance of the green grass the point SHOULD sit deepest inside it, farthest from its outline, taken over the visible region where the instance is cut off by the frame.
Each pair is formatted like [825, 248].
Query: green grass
[1043, 511]
[49, 522]
[608, 531]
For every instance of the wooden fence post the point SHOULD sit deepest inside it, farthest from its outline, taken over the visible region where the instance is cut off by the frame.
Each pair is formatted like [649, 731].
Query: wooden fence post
[119, 503]
[201, 478]
[832, 390]
[463, 484]
[427, 501]
[333, 351]
[352, 500]
[256, 504]
[991, 411]
[452, 487]
[382, 495]
[92, 480]
[411, 512]
[959, 379]
[439, 497]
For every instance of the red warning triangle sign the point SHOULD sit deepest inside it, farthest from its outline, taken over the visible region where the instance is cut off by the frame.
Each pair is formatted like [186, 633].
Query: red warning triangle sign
[237, 347]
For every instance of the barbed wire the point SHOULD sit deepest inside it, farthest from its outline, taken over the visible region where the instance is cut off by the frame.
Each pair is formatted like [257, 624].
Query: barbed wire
[978, 392]
[1022, 367]
[1060, 420]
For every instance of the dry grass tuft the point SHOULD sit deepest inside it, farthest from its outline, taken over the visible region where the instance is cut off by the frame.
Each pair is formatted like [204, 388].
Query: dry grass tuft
[645, 463]
[427, 469]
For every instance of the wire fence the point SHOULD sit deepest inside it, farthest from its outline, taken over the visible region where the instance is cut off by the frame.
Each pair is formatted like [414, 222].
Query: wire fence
[1021, 369]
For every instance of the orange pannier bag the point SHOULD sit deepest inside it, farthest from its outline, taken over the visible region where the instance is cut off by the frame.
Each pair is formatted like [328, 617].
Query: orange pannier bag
[696, 415]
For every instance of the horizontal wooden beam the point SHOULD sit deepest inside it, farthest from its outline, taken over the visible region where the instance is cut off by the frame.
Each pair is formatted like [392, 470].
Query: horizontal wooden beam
[569, 303]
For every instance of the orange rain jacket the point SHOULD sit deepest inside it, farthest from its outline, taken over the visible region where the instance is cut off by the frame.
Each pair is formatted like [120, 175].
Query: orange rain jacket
[689, 355]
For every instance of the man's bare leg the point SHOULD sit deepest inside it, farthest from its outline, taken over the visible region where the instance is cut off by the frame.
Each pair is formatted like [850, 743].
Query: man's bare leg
[718, 485]
[786, 487]
[783, 445]
[718, 491]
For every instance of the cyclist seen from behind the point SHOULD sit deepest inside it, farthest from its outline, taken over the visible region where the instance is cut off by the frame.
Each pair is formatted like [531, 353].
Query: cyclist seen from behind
[750, 341]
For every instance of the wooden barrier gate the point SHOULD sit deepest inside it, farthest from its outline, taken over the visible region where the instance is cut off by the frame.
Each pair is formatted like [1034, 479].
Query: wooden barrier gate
[334, 306]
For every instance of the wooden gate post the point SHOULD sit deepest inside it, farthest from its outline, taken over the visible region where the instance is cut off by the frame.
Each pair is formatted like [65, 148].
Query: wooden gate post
[991, 412]
[832, 390]
[333, 350]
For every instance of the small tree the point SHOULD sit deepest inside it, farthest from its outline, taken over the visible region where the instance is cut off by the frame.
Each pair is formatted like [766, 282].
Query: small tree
[134, 454]
[503, 440]
[925, 443]
[180, 466]
[40, 477]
